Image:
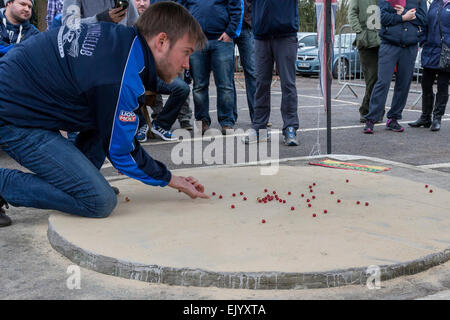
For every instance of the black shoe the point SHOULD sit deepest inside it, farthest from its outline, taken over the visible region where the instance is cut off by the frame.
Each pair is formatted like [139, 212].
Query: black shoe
[116, 190]
[393, 125]
[424, 121]
[362, 119]
[436, 125]
[4, 219]
[185, 124]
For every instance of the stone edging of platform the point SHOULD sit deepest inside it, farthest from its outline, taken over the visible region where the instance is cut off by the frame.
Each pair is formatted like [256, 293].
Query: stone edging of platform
[235, 280]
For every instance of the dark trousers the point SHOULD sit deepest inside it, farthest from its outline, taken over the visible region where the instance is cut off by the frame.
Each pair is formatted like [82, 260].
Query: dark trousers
[282, 51]
[443, 78]
[369, 65]
[390, 56]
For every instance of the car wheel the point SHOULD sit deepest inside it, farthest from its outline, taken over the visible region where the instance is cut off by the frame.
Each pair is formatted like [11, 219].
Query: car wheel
[344, 69]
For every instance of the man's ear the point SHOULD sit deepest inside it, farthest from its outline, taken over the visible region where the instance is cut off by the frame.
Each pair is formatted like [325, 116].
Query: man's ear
[161, 41]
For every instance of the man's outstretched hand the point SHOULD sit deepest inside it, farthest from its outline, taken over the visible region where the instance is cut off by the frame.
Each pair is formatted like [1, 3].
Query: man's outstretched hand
[188, 185]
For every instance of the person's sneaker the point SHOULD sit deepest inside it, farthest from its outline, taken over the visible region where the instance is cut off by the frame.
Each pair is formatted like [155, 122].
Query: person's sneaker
[186, 124]
[4, 219]
[393, 125]
[225, 128]
[290, 137]
[362, 119]
[269, 124]
[141, 135]
[368, 128]
[254, 137]
[166, 135]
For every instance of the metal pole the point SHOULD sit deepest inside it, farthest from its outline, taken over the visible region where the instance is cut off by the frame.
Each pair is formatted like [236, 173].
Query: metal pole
[328, 49]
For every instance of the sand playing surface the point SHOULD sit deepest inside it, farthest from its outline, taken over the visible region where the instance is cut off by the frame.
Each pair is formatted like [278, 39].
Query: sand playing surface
[160, 226]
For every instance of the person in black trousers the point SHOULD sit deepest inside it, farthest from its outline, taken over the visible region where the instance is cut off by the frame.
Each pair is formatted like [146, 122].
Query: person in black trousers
[436, 32]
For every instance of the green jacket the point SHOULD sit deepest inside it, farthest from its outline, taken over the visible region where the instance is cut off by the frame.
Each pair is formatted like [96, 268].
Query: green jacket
[364, 18]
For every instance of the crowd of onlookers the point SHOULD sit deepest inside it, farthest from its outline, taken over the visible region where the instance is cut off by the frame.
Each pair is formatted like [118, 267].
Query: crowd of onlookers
[265, 33]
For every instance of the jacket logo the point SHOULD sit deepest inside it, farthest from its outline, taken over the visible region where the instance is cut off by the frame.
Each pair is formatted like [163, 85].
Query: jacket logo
[127, 116]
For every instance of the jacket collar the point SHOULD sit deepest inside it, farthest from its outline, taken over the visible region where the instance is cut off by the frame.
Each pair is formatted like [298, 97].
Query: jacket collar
[148, 75]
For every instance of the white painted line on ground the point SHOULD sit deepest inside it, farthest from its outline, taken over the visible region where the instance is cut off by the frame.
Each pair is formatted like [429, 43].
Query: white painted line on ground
[435, 165]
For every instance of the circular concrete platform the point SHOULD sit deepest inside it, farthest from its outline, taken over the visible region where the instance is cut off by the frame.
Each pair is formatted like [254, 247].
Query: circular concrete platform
[162, 236]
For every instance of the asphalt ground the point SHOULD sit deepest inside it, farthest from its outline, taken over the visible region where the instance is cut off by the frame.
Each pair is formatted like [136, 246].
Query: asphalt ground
[31, 269]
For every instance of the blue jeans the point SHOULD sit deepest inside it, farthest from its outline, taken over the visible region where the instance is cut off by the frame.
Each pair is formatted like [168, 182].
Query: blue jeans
[62, 177]
[217, 56]
[178, 92]
[388, 57]
[246, 46]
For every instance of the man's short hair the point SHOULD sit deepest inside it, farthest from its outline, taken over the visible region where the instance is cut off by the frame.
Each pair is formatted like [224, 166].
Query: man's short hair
[174, 20]
[6, 2]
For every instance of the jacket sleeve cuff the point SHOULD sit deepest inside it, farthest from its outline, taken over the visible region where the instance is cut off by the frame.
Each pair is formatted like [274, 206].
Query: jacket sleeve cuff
[399, 18]
[104, 16]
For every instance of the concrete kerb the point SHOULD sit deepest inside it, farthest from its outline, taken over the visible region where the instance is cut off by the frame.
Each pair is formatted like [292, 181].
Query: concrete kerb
[245, 280]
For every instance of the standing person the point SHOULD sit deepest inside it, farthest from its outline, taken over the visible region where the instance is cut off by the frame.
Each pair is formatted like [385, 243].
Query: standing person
[15, 26]
[275, 26]
[95, 90]
[363, 16]
[437, 32]
[246, 46]
[91, 11]
[54, 8]
[401, 30]
[221, 21]
[177, 104]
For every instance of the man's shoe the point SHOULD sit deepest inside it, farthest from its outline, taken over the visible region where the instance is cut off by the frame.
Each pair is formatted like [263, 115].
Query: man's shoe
[141, 135]
[368, 128]
[436, 125]
[393, 125]
[225, 128]
[254, 137]
[166, 135]
[424, 121]
[205, 126]
[4, 219]
[186, 125]
[290, 137]
[269, 124]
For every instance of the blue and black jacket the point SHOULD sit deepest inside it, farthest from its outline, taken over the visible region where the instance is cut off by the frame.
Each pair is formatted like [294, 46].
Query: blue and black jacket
[217, 16]
[401, 33]
[274, 18]
[90, 80]
[11, 34]
[432, 46]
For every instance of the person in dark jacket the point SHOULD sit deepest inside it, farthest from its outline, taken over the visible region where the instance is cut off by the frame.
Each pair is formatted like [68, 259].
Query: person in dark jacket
[275, 26]
[91, 83]
[15, 26]
[401, 31]
[431, 54]
[221, 21]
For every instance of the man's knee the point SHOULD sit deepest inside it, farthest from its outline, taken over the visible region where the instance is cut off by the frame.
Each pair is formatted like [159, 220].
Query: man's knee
[104, 204]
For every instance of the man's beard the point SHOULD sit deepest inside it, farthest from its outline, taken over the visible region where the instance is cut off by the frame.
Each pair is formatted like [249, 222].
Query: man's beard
[163, 70]
[19, 18]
